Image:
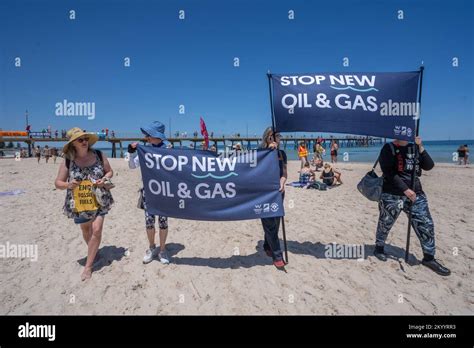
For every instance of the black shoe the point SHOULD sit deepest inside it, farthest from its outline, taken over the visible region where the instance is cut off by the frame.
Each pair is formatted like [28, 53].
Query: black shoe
[380, 255]
[436, 267]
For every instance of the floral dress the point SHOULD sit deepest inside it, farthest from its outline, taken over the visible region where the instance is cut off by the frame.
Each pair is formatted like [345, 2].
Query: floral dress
[95, 172]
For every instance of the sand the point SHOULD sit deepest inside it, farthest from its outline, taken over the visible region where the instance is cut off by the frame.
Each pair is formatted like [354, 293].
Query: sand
[219, 268]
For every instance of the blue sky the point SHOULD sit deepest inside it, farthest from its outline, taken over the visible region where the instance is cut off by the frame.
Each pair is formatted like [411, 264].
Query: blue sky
[190, 61]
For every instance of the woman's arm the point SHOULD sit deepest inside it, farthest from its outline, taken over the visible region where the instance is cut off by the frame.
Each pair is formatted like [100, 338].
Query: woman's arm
[283, 178]
[109, 173]
[61, 182]
[133, 161]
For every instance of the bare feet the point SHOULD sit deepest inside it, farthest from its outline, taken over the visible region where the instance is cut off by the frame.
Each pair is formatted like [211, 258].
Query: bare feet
[87, 274]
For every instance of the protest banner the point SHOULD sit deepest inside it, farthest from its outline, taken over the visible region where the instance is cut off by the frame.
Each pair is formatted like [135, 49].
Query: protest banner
[377, 104]
[201, 185]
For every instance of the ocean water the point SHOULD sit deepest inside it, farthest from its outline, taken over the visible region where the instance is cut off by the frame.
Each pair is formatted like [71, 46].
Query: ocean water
[441, 151]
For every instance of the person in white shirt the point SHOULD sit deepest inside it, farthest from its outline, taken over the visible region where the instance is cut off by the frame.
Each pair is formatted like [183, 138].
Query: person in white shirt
[154, 135]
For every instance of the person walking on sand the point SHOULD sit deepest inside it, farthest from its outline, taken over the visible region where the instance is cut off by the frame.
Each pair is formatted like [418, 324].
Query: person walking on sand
[302, 153]
[46, 153]
[154, 136]
[318, 155]
[38, 153]
[271, 226]
[397, 160]
[461, 154]
[334, 148]
[54, 153]
[83, 172]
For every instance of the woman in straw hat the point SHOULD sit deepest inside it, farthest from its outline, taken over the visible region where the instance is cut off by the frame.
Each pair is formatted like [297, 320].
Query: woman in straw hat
[83, 171]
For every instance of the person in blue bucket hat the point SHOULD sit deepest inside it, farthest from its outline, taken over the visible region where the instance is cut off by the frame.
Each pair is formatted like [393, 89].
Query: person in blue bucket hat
[154, 130]
[155, 136]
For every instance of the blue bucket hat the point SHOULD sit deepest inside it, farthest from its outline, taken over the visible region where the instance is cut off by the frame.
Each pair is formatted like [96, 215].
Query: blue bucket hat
[155, 130]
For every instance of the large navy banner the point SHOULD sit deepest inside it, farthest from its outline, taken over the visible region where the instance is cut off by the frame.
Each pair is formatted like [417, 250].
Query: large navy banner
[200, 185]
[377, 104]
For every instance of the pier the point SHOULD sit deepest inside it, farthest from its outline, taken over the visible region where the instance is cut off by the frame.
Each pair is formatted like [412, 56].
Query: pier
[288, 142]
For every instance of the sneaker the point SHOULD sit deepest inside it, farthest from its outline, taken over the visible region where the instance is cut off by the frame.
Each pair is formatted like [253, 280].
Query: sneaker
[380, 255]
[164, 258]
[436, 267]
[280, 264]
[150, 254]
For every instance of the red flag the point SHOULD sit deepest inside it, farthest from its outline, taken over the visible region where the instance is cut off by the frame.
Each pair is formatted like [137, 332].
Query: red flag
[204, 133]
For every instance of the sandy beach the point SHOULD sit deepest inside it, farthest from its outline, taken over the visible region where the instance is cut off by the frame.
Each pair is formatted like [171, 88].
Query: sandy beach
[219, 267]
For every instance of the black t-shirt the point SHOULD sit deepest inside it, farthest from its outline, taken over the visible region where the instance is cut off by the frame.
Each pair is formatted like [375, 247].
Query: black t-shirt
[397, 170]
[282, 161]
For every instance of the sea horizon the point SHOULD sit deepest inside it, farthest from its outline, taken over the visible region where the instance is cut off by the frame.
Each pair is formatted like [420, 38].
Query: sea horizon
[442, 151]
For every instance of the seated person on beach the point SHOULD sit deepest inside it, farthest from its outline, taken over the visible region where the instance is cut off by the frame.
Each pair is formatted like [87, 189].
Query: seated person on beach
[330, 176]
[306, 174]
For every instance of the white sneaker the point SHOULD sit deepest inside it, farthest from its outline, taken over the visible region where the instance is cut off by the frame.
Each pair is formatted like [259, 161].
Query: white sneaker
[164, 258]
[150, 254]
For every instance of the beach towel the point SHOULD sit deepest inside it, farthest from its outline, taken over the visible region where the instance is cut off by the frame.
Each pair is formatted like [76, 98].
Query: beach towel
[296, 184]
[11, 193]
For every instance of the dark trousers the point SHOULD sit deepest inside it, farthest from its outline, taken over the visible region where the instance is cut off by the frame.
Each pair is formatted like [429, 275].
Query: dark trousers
[390, 207]
[271, 227]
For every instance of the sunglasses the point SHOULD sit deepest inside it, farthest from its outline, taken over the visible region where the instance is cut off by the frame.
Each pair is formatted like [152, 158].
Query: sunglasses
[81, 140]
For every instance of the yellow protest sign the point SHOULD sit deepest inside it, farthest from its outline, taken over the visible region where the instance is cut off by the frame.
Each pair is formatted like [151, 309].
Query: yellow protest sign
[84, 198]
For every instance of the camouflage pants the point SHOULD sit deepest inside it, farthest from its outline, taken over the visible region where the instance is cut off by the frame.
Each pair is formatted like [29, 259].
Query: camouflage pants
[390, 207]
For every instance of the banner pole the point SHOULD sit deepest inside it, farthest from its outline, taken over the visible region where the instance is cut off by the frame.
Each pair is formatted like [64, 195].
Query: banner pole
[269, 75]
[413, 174]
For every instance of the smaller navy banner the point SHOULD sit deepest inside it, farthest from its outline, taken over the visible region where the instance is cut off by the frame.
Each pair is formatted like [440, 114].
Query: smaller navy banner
[201, 185]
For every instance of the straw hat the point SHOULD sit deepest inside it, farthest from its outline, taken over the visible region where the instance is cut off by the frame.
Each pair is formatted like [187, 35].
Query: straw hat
[75, 133]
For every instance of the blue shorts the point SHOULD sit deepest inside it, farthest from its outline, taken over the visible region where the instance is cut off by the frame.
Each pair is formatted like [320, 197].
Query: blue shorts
[83, 220]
